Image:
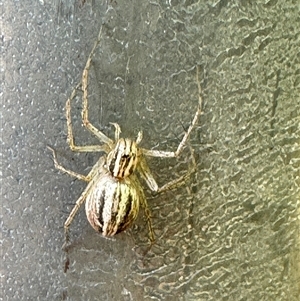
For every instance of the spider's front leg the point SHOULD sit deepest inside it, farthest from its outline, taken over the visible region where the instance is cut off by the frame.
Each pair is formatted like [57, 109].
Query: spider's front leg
[143, 167]
[83, 86]
[85, 120]
[168, 154]
[70, 137]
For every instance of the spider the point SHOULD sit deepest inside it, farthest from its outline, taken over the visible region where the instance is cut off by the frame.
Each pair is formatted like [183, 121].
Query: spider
[114, 194]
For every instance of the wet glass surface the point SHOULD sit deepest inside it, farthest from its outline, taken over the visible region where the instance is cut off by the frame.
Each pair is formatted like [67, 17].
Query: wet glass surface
[232, 232]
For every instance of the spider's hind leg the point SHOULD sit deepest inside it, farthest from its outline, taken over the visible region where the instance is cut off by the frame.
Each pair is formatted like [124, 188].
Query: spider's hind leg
[149, 222]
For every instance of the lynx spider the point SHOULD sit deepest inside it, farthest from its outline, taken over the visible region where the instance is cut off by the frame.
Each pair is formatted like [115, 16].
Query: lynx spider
[106, 174]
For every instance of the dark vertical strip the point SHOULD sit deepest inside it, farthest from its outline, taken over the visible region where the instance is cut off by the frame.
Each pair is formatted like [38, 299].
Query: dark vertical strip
[127, 219]
[101, 205]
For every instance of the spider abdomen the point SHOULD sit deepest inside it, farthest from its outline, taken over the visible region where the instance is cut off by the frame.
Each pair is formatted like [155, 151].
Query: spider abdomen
[112, 204]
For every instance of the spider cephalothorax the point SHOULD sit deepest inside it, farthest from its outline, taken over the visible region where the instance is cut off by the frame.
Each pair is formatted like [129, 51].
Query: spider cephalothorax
[123, 159]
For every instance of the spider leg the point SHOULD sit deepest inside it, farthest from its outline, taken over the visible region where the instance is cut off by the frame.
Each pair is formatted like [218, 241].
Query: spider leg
[146, 174]
[92, 175]
[168, 154]
[71, 173]
[70, 139]
[148, 218]
[67, 171]
[181, 180]
[102, 137]
[117, 130]
[71, 216]
[144, 171]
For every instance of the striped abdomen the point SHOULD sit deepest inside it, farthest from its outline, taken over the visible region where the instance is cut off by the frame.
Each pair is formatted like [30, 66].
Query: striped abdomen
[113, 204]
